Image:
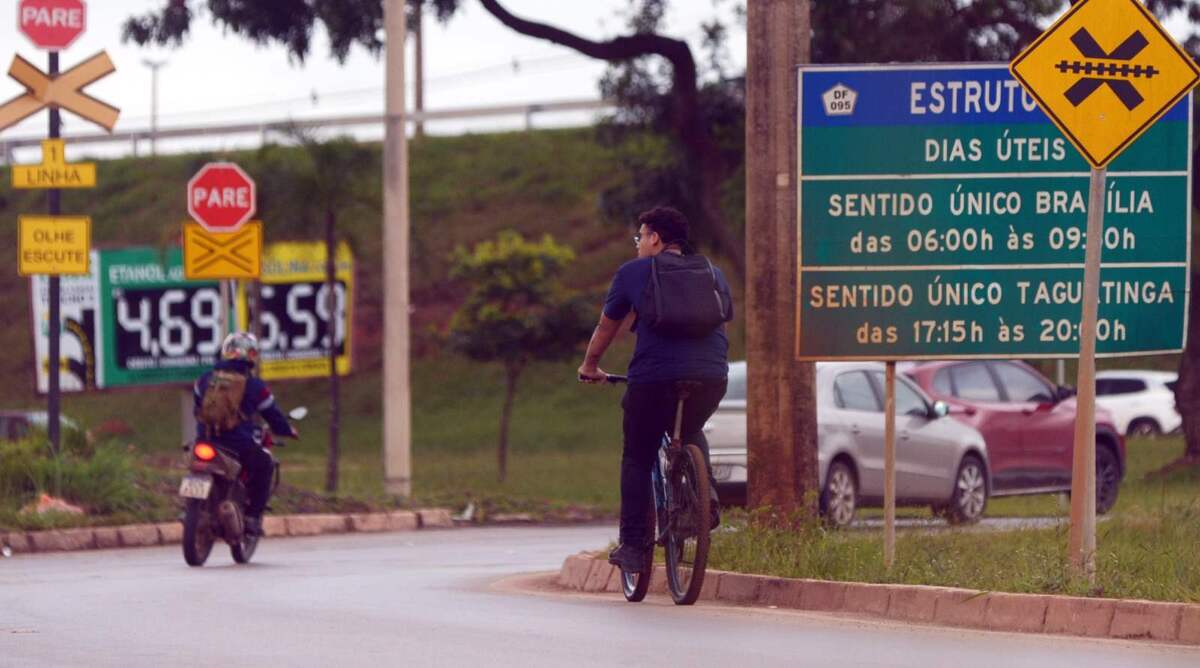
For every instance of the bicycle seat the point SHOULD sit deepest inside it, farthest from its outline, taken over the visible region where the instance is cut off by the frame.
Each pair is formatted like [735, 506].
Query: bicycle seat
[686, 387]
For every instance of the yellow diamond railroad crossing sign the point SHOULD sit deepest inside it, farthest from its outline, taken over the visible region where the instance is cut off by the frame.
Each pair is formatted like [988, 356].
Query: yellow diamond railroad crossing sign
[1104, 73]
[53, 245]
[217, 256]
[55, 171]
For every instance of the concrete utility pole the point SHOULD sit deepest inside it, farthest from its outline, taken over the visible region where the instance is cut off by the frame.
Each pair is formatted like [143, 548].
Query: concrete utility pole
[154, 65]
[781, 397]
[397, 396]
[419, 67]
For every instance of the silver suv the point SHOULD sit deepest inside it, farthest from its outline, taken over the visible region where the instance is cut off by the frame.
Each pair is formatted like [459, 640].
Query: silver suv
[939, 462]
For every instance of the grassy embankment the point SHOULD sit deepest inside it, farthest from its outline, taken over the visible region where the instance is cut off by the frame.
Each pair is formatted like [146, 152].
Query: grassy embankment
[565, 438]
[1146, 546]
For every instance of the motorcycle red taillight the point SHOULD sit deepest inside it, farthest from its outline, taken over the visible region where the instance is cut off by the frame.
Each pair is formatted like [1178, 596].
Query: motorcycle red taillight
[205, 452]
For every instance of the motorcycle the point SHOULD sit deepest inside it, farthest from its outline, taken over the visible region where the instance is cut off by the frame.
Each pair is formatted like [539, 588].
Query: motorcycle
[214, 492]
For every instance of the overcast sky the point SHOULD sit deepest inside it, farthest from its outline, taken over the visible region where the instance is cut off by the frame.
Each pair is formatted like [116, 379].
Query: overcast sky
[472, 61]
[218, 78]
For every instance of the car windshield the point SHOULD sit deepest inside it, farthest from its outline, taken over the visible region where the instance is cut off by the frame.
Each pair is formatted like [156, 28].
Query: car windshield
[908, 402]
[1021, 385]
[854, 392]
[973, 382]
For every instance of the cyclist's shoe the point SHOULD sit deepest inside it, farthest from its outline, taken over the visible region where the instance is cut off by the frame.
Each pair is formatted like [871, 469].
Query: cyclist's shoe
[628, 557]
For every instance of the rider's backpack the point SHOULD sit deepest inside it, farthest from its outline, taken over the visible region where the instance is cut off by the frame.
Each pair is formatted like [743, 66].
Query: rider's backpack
[683, 298]
[220, 407]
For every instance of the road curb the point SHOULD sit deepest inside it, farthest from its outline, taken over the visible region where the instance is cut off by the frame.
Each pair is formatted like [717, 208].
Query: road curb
[947, 606]
[171, 533]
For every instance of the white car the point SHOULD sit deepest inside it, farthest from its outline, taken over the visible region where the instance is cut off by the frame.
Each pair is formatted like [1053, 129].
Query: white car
[1142, 403]
[940, 462]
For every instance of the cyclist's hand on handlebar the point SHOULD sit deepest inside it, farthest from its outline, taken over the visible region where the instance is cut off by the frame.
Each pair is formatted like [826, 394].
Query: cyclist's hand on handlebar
[590, 373]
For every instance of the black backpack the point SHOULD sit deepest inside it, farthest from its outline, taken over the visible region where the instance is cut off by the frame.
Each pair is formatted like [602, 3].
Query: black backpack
[683, 298]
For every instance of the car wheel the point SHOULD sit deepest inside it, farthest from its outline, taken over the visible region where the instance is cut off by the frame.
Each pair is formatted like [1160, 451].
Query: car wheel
[970, 494]
[1144, 428]
[1108, 479]
[839, 499]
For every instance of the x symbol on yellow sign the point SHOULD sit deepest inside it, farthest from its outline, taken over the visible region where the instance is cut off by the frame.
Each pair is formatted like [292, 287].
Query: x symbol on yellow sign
[222, 256]
[63, 91]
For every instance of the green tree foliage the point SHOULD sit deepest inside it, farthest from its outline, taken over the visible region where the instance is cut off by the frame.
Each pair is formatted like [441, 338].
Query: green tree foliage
[326, 179]
[287, 22]
[517, 311]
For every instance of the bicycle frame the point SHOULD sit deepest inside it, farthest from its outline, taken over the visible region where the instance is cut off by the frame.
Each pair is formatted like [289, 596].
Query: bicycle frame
[668, 452]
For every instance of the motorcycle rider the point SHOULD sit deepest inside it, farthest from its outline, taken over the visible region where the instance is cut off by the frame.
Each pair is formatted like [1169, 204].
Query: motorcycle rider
[227, 398]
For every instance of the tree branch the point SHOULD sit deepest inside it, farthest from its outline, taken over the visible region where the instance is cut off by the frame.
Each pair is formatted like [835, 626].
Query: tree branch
[626, 47]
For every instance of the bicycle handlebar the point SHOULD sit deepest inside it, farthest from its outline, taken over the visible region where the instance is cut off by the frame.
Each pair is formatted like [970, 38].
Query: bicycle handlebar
[611, 379]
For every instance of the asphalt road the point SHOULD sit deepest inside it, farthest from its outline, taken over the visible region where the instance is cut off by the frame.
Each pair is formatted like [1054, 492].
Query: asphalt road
[447, 598]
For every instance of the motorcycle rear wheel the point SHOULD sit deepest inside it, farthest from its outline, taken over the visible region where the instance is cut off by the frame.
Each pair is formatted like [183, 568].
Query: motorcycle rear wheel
[197, 535]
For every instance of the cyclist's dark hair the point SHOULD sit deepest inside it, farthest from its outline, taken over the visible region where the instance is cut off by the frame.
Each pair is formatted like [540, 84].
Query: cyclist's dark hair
[670, 224]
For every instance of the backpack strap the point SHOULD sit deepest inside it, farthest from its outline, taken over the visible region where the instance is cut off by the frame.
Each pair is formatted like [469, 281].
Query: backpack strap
[658, 303]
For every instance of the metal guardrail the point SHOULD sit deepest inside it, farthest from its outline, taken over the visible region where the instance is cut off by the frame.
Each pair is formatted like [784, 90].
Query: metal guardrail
[135, 137]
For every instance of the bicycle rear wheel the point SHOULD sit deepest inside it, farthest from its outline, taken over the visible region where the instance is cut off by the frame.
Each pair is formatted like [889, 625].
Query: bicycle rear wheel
[635, 584]
[688, 526]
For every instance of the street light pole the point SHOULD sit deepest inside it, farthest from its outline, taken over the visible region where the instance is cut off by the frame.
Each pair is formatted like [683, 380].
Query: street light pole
[397, 412]
[153, 65]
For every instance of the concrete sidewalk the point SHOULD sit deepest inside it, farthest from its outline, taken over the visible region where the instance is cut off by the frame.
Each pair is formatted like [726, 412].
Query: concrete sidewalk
[946, 606]
[167, 533]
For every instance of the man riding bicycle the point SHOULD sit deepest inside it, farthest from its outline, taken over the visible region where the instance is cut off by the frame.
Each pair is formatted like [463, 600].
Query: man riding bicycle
[227, 399]
[682, 302]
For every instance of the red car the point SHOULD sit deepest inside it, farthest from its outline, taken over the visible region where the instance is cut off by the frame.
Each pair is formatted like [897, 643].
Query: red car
[1028, 424]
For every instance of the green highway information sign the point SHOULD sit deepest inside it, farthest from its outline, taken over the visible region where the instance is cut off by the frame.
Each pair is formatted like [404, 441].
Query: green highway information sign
[942, 215]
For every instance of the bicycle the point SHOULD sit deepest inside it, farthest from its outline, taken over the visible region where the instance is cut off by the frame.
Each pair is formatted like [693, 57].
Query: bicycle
[679, 516]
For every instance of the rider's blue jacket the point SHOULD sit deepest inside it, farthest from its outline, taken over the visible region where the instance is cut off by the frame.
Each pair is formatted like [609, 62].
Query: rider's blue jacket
[257, 400]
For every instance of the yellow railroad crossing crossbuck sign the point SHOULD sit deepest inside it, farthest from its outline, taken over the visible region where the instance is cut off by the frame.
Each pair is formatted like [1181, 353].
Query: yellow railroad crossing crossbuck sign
[232, 255]
[55, 171]
[53, 245]
[1104, 73]
[63, 91]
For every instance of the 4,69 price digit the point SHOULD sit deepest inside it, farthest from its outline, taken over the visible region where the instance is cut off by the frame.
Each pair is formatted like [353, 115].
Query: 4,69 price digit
[172, 322]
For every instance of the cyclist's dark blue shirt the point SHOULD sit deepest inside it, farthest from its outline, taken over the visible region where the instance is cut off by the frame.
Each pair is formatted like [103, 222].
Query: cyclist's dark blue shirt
[660, 358]
[257, 399]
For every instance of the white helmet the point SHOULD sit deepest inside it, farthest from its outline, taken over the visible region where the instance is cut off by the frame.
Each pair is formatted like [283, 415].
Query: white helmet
[240, 346]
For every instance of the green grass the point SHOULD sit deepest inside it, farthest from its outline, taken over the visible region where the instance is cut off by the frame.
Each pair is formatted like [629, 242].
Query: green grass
[1142, 457]
[1145, 546]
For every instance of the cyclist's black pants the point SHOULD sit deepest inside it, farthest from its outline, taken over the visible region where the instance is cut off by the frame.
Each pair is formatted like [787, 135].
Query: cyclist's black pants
[650, 412]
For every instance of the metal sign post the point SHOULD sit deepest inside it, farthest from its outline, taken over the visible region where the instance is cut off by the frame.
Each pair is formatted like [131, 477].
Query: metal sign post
[54, 207]
[1105, 73]
[889, 466]
[1083, 468]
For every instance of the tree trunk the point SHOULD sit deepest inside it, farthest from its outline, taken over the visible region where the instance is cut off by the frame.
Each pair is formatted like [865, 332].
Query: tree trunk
[1187, 391]
[781, 395]
[512, 373]
[700, 148]
[335, 400]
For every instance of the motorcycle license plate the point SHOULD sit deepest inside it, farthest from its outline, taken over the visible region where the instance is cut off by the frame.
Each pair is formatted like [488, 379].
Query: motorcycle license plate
[195, 486]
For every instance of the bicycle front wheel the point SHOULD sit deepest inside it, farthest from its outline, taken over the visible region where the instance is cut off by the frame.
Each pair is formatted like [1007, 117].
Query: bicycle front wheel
[687, 531]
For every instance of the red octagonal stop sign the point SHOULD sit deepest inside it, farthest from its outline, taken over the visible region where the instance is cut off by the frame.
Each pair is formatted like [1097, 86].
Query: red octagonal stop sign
[221, 197]
[52, 24]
